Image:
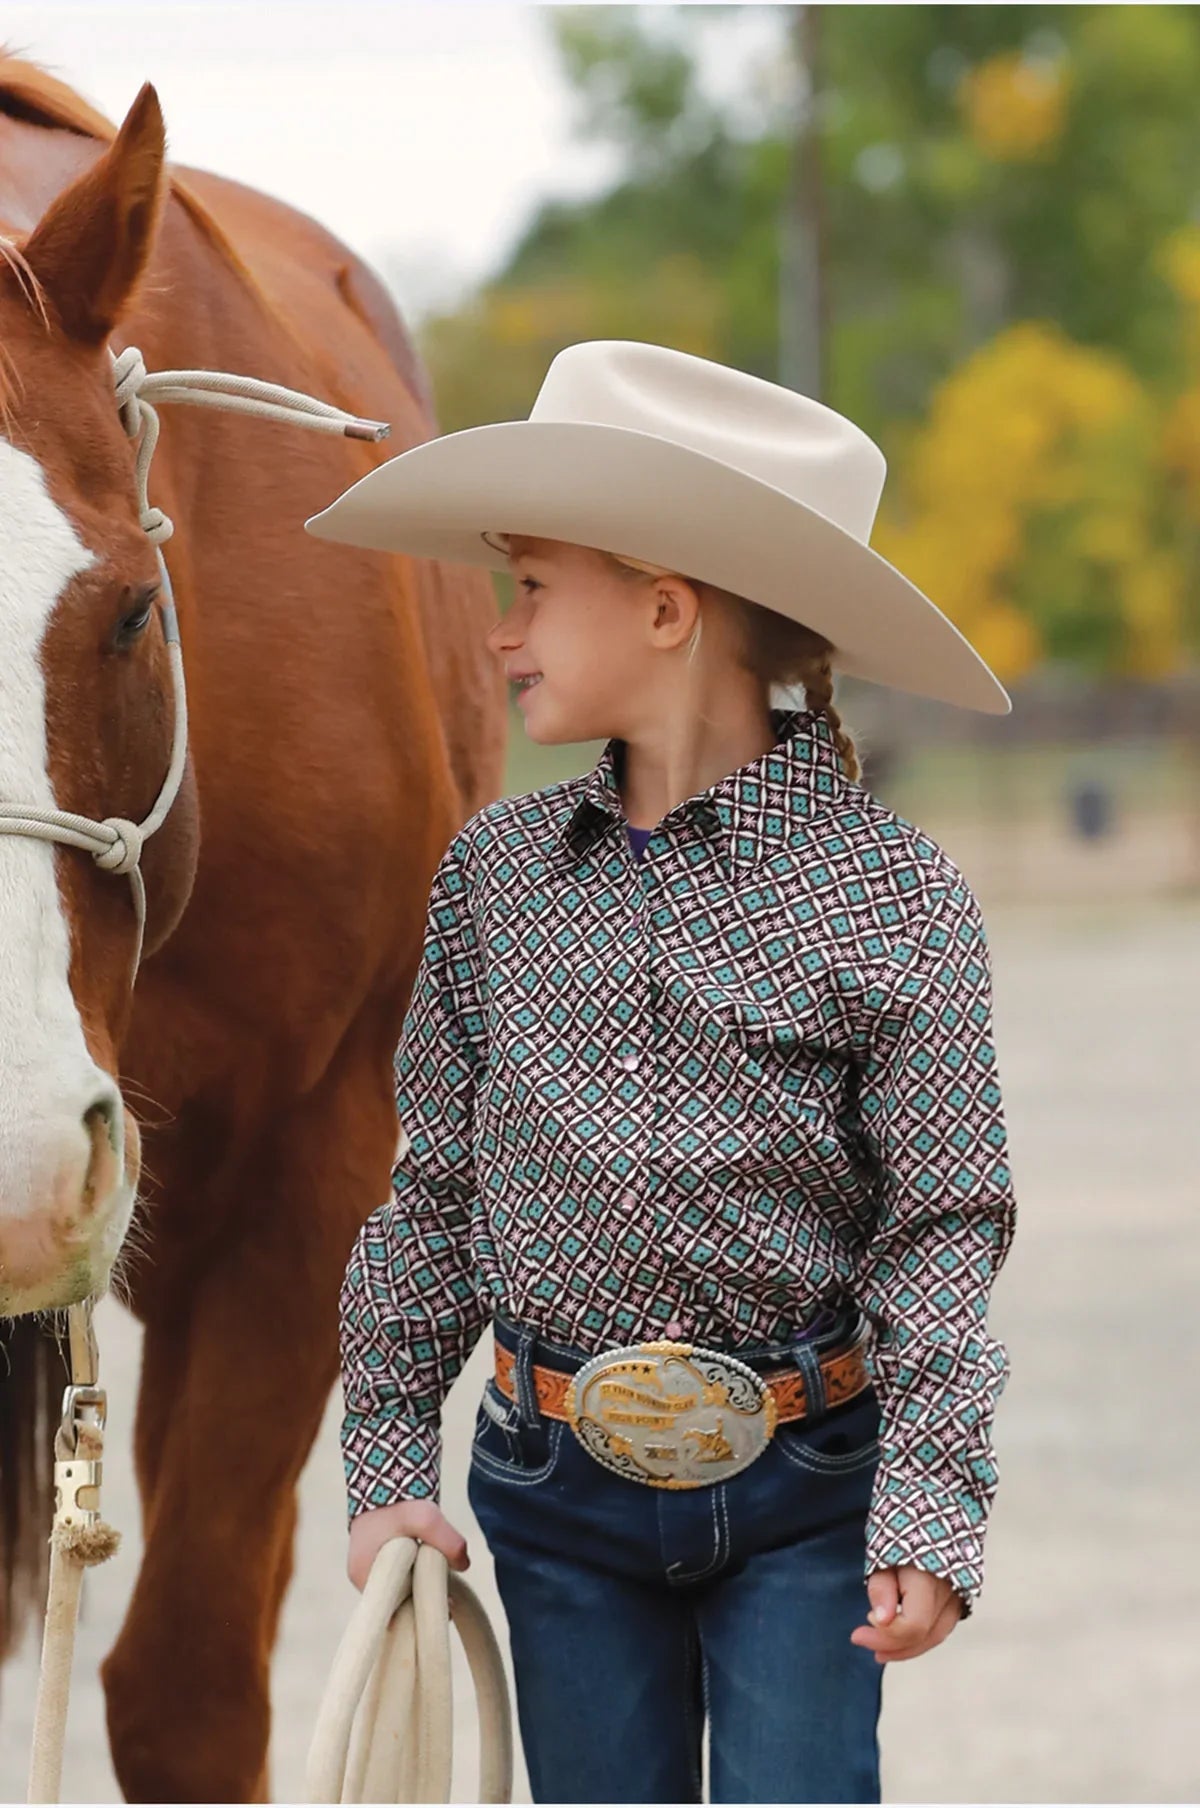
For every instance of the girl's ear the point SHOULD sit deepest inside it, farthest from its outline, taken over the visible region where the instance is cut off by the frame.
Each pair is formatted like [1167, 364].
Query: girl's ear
[671, 595]
[91, 246]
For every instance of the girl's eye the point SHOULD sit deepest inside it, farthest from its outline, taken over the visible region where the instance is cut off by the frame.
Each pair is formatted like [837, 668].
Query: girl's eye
[529, 584]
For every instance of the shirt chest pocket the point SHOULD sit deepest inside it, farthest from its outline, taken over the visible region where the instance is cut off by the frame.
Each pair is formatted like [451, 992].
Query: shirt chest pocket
[783, 1058]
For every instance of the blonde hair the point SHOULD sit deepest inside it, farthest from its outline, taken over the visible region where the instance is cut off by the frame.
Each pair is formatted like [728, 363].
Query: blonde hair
[776, 649]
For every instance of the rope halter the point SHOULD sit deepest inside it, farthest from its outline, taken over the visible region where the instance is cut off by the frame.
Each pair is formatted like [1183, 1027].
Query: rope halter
[115, 843]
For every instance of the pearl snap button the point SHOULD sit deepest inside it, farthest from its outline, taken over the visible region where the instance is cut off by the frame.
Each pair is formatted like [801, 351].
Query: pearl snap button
[629, 1062]
[629, 1201]
[673, 1329]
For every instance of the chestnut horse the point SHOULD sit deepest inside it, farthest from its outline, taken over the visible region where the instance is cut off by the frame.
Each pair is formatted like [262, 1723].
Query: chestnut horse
[345, 718]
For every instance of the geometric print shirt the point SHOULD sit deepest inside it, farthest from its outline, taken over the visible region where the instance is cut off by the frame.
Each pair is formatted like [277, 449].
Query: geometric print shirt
[745, 1076]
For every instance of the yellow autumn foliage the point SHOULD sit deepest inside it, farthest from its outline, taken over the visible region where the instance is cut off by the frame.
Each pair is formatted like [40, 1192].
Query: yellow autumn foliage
[1155, 603]
[1027, 498]
[1014, 107]
[1005, 637]
[1179, 262]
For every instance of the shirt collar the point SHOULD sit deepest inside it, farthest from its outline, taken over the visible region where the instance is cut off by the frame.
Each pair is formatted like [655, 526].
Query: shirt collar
[745, 814]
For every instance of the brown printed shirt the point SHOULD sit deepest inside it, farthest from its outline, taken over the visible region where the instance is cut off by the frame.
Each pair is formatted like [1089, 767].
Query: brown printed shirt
[746, 1076]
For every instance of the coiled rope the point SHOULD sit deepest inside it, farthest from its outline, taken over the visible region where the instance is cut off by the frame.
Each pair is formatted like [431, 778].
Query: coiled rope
[384, 1732]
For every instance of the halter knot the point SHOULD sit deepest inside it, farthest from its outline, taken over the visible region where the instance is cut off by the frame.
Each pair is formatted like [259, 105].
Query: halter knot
[140, 421]
[126, 848]
[156, 526]
[129, 373]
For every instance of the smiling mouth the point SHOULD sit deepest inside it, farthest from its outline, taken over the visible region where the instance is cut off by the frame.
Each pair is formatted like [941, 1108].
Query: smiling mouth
[527, 684]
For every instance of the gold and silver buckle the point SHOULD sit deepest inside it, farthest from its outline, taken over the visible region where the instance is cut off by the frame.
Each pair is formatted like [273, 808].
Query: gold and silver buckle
[672, 1415]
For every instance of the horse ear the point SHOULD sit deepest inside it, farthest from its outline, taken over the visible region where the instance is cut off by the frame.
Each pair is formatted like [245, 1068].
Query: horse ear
[92, 245]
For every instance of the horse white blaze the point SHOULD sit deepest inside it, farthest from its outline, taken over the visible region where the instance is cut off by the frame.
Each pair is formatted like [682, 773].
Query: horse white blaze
[65, 1200]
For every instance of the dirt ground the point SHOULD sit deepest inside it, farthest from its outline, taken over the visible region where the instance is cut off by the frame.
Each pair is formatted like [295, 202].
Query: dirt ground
[1078, 1676]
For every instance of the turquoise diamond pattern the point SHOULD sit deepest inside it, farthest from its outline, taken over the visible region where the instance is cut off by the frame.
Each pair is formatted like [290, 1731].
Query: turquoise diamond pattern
[749, 1075]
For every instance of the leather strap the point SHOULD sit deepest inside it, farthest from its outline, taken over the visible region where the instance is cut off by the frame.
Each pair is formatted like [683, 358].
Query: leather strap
[845, 1372]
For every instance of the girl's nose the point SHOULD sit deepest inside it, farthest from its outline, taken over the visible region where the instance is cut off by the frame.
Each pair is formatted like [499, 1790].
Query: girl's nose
[504, 633]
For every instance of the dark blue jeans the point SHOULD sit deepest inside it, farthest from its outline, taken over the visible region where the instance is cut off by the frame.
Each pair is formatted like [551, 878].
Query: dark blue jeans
[635, 1612]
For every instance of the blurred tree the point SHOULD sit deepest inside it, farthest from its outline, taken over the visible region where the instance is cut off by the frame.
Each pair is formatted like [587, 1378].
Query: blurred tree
[1007, 195]
[1034, 510]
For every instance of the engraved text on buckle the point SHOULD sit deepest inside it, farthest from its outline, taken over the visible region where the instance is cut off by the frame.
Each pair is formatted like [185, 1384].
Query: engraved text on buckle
[670, 1414]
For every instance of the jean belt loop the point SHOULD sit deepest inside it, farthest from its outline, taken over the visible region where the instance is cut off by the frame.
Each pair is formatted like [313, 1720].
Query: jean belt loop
[528, 1412]
[808, 1362]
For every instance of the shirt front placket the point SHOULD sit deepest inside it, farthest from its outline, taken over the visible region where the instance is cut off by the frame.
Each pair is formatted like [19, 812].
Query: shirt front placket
[641, 1093]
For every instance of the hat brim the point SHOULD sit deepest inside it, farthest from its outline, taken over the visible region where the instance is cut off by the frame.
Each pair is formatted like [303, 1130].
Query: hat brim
[623, 491]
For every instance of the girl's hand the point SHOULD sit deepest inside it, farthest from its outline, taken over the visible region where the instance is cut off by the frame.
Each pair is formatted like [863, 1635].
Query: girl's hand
[422, 1519]
[932, 1608]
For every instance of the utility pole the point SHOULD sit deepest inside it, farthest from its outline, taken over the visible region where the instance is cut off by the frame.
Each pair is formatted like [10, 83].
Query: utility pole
[802, 296]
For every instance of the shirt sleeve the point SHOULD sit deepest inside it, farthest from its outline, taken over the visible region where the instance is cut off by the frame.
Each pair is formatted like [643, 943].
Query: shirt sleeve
[410, 1312]
[932, 1116]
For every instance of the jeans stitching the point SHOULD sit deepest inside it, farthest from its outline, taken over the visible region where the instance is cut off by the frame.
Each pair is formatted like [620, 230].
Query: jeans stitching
[808, 1362]
[511, 1473]
[820, 1462]
[482, 1420]
[527, 1404]
[696, 1575]
[502, 1411]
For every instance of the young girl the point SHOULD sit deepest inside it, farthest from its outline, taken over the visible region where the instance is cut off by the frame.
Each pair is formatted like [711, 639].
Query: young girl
[701, 1105]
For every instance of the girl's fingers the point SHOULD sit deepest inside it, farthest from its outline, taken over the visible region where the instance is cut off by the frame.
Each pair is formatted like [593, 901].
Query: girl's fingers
[452, 1545]
[883, 1591]
[423, 1521]
[947, 1620]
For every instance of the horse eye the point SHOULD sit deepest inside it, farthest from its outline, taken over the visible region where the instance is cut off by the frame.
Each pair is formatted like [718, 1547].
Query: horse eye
[137, 619]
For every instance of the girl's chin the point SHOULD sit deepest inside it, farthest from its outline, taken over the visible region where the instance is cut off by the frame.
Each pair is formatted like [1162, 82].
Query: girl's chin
[547, 731]
[545, 726]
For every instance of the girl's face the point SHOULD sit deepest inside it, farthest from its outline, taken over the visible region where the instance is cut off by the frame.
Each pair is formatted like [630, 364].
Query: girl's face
[585, 632]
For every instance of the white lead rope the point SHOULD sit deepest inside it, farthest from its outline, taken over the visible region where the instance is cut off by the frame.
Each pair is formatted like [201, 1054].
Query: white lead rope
[78, 1538]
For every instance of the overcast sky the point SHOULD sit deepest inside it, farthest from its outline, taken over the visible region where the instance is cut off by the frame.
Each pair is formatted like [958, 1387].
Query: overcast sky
[424, 135]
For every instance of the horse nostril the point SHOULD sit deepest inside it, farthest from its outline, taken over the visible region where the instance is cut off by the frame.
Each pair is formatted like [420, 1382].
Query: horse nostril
[102, 1120]
[103, 1115]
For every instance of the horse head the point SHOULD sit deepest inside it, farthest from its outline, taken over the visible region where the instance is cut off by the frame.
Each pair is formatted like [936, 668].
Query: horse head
[86, 717]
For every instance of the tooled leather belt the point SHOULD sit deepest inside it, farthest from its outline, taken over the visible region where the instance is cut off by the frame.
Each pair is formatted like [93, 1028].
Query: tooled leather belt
[844, 1371]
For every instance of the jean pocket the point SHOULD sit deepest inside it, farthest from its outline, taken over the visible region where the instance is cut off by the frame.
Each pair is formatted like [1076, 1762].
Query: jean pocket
[846, 1439]
[506, 1450]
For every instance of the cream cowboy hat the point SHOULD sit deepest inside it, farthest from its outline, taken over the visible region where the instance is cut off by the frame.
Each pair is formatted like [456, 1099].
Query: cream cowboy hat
[682, 463]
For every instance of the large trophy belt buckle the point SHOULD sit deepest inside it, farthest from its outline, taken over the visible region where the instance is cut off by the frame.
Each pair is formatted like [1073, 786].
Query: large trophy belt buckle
[672, 1415]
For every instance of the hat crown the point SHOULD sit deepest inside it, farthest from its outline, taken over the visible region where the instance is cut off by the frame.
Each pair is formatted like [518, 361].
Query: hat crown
[776, 435]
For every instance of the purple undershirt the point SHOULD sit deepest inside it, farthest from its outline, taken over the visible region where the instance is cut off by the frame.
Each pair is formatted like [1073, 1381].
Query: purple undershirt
[638, 838]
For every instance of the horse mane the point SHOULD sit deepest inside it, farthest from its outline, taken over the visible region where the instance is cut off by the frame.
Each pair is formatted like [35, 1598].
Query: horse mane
[30, 93]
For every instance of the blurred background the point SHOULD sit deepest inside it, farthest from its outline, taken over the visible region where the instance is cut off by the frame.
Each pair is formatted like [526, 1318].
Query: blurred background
[976, 231]
[972, 230]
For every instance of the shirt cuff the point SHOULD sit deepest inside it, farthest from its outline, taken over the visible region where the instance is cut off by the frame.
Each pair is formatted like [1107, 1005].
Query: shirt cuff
[387, 1458]
[921, 1524]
